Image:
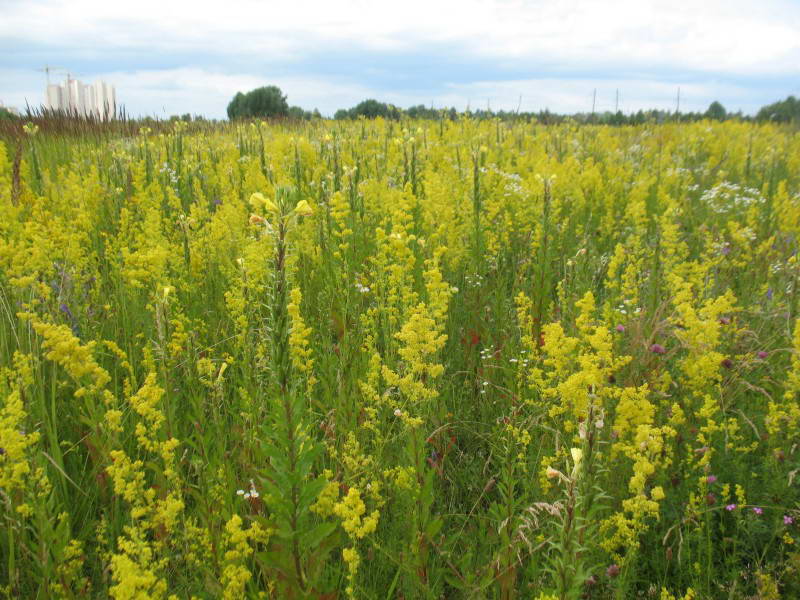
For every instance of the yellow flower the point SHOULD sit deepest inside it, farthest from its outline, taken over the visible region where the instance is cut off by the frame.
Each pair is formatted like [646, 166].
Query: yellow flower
[303, 209]
[258, 200]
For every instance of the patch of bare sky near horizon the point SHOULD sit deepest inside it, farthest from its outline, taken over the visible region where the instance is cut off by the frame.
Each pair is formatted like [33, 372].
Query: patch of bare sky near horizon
[713, 50]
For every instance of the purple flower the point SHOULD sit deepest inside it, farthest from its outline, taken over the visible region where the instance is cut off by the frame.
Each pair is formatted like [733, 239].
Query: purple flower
[727, 363]
[620, 328]
[769, 294]
[657, 349]
[787, 520]
[762, 355]
[65, 309]
[758, 510]
[711, 479]
[726, 249]
[730, 507]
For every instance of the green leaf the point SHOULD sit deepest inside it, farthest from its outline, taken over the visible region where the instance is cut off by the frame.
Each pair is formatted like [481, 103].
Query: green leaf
[315, 536]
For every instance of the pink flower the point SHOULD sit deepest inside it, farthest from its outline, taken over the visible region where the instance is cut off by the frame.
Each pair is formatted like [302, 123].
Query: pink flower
[758, 510]
[787, 520]
[620, 328]
[711, 479]
[762, 355]
[730, 507]
[657, 349]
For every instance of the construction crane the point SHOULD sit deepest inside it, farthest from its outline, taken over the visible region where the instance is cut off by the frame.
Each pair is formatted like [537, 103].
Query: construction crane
[46, 70]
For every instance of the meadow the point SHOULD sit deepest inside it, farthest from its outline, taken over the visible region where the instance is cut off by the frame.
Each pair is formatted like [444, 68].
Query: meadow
[400, 360]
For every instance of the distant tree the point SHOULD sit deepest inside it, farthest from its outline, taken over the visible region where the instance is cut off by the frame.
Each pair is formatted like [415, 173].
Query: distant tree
[236, 106]
[370, 108]
[716, 112]
[263, 102]
[783, 111]
[266, 101]
[297, 113]
[6, 114]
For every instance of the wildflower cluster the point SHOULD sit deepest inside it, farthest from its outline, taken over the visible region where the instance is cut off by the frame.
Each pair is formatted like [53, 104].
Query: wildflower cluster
[462, 357]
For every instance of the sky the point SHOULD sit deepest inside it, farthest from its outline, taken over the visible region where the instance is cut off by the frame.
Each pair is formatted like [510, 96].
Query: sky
[169, 57]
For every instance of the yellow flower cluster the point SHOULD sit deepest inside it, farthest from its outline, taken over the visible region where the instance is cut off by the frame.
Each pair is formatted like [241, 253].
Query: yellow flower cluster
[17, 442]
[238, 540]
[63, 348]
[299, 334]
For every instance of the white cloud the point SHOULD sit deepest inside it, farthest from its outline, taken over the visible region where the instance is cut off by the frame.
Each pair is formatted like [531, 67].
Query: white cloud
[721, 35]
[556, 50]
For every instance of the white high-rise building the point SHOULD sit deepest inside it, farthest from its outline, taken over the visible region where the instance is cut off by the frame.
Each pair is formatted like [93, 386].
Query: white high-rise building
[76, 98]
[104, 99]
[54, 99]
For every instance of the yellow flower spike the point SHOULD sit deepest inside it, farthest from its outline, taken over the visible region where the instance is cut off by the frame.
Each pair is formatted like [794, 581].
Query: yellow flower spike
[303, 209]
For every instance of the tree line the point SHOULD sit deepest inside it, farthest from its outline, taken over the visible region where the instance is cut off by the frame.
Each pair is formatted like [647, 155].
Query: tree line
[268, 102]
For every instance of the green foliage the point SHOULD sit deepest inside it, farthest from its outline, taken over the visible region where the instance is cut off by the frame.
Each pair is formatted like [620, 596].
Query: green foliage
[784, 111]
[7, 115]
[370, 109]
[145, 248]
[263, 102]
[716, 112]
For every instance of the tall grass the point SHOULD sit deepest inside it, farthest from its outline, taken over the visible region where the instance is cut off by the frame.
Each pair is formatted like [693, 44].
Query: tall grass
[369, 359]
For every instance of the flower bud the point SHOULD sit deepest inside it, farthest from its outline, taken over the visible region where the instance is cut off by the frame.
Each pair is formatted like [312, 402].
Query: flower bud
[303, 209]
[552, 473]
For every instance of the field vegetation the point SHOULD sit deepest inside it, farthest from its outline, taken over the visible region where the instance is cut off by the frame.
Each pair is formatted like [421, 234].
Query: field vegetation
[400, 359]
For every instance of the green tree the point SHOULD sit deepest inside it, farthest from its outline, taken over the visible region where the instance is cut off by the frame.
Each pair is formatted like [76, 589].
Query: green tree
[297, 113]
[264, 102]
[716, 112]
[267, 101]
[782, 111]
[236, 106]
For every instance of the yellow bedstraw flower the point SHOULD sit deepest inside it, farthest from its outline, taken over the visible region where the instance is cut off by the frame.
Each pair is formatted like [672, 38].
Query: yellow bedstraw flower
[238, 540]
